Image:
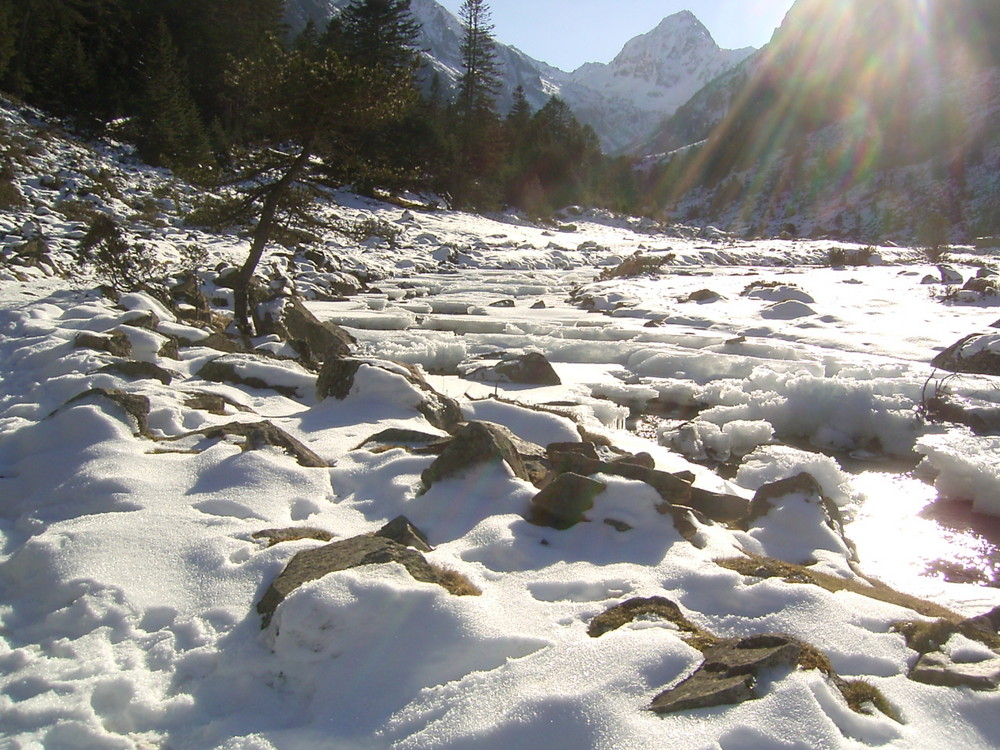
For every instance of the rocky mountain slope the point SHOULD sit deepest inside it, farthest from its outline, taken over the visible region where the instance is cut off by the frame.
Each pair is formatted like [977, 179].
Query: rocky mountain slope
[623, 101]
[856, 118]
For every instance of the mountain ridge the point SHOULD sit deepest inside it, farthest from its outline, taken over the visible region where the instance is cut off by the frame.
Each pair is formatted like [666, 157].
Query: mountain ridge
[624, 100]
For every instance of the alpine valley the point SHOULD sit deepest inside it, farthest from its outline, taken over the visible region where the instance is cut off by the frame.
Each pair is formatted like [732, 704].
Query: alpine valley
[625, 101]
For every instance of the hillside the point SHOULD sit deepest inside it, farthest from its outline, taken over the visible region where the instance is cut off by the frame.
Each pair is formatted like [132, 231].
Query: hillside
[873, 120]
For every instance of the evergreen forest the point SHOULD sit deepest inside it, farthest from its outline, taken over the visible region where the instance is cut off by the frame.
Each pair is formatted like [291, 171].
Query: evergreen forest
[218, 88]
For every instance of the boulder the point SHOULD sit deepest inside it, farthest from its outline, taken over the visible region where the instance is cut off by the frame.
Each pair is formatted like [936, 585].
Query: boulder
[226, 369]
[475, 443]
[338, 375]
[792, 518]
[403, 532]
[978, 353]
[563, 503]
[936, 668]
[257, 435]
[526, 369]
[316, 341]
[116, 343]
[988, 622]
[134, 405]
[312, 564]
[139, 371]
[950, 276]
[729, 672]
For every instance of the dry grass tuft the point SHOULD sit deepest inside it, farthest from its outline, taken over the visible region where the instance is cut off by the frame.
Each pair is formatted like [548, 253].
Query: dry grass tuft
[765, 567]
[457, 584]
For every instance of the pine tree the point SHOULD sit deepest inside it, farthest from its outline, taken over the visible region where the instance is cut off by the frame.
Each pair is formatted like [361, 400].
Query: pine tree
[8, 29]
[170, 130]
[310, 104]
[380, 34]
[478, 124]
[480, 80]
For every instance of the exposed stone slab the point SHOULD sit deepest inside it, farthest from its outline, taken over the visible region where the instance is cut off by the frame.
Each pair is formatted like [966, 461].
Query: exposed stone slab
[936, 668]
[564, 502]
[475, 443]
[312, 564]
[729, 672]
[116, 344]
[260, 434]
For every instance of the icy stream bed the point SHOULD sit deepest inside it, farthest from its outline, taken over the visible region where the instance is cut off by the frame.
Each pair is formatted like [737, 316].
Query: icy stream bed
[831, 359]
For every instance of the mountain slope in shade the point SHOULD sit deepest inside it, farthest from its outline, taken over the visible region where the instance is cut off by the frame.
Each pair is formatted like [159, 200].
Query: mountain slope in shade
[873, 119]
[623, 101]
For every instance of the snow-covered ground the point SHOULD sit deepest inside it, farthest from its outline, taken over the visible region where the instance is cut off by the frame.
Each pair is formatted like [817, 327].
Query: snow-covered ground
[129, 569]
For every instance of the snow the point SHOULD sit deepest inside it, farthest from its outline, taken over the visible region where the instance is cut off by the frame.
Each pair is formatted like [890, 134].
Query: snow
[129, 573]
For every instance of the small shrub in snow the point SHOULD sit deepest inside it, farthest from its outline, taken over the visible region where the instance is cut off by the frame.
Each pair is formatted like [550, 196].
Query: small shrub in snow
[126, 267]
[637, 264]
[363, 229]
[863, 256]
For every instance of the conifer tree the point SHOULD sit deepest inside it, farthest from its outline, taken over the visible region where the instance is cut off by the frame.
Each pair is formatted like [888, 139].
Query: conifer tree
[380, 34]
[478, 123]
[170, 131]
[309, 104]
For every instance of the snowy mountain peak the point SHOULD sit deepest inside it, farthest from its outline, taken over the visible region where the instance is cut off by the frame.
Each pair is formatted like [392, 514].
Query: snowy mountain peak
[653, 75]
[624, 101]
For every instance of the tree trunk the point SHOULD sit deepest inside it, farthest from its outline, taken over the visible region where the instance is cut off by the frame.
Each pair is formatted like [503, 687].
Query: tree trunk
[261, 234]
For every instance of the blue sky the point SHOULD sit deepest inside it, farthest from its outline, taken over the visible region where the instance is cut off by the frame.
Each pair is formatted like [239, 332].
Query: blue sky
[568, 33]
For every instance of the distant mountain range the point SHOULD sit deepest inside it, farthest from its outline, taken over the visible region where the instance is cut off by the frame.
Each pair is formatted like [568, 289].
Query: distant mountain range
[625, 101]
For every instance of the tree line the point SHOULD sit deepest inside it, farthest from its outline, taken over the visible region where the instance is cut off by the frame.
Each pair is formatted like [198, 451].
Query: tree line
[196, 86]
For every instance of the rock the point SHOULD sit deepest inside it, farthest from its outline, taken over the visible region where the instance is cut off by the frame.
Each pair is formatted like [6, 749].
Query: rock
[978, 353]
[257, 435]
[936, 668]
[502, 303]
[563, 503]
[928, 280]
[213, 403]
[224, 370]
[988, 622]
[644, 460]
[403, 532]
[729, 672]
[631, 609]
[312, 564]
[540, 305]
[586, 449]
[316, 341]
[475, 443]
[671, 489]
[949, 276]
[135, 405]
[702, 295]
[787, 310]
[337, 378]
[794, 510]
[139, 371]
[116, 344]
[397, 437]
[293, 534]
[526, 369]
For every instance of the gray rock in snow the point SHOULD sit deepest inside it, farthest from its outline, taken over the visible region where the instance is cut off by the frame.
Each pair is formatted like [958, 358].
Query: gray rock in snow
[312, 564]
[729, 672]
